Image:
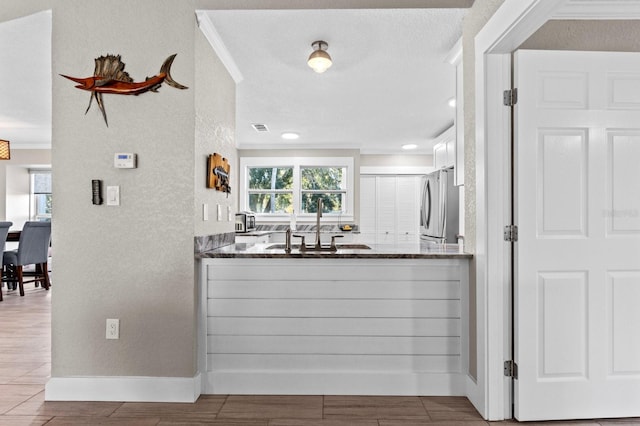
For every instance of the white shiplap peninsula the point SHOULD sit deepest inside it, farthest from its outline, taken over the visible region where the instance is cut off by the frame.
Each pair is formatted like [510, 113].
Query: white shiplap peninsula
[367, 322]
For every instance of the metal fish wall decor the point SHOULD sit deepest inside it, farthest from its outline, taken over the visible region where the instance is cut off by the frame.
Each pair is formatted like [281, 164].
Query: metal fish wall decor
[109, 76]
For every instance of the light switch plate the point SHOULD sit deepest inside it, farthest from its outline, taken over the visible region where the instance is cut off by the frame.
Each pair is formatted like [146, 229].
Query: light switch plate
[113, 195]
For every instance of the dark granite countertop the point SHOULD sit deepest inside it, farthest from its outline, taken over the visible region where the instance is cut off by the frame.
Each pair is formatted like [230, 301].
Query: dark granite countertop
[377, 251]
[306, 232]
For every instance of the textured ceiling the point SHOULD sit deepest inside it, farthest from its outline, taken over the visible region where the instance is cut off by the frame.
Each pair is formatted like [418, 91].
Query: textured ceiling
[389, 84]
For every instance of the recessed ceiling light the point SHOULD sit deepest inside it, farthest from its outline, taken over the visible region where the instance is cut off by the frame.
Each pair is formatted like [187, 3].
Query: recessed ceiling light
[452, 102]
[290, 135]
[409, 146]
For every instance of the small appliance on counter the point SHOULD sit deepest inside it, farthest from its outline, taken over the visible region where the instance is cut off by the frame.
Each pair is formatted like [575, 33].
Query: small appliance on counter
[245, 222]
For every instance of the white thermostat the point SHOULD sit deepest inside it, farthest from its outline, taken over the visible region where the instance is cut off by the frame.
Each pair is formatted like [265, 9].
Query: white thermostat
[125, 160]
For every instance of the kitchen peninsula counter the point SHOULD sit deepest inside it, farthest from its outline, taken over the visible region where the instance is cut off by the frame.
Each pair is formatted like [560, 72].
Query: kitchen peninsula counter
[377, 251]
[390, 320]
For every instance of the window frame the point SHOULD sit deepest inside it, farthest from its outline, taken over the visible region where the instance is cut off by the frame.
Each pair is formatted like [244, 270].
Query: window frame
[297, 163]
[33, 207]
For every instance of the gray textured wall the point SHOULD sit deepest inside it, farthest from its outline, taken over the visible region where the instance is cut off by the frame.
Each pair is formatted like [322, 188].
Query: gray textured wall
[12, 9]
[588, 35]
[215, 133]
[133, 262]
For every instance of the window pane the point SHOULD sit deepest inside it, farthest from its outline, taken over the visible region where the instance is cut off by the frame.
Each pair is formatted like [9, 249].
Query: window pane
[322, 178]
[43, 206]
[270, 178]
[42, 183]
[331, 203]
[271, 203]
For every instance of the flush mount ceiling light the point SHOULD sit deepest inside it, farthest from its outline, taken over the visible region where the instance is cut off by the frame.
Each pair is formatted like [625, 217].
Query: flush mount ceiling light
[5, 152]
[290, 135]
[319, 60]
[452, 102]
[409, 146]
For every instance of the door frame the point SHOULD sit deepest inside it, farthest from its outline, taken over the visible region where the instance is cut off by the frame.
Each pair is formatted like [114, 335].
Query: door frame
[507, 29]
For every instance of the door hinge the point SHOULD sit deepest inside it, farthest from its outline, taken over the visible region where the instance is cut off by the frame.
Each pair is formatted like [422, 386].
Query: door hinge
[510, 97]
[511, 233]
[511, 369]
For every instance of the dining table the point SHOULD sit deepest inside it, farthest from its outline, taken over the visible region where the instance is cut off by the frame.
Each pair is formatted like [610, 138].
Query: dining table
[13, 236]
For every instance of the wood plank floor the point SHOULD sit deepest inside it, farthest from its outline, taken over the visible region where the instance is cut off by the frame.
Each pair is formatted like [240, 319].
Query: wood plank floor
[25, 365]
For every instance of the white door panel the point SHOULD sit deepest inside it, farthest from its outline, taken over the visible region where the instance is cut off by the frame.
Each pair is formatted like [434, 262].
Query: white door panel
[577, 290]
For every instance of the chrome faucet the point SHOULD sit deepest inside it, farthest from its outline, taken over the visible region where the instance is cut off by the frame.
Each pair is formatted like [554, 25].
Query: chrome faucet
[287, 241]
[318, 246]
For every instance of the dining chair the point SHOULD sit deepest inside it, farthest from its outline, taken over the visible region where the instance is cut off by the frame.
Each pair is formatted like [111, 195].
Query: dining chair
[33, 249]
[4, 230]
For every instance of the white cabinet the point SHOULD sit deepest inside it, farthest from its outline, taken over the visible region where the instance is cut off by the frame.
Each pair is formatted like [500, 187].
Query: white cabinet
[368, 207]
[444, 152]
[457, 149]
[440, 155]
[389, 209]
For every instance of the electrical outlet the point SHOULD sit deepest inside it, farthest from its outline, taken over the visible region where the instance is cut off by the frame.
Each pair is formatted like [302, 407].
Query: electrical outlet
[113, 328]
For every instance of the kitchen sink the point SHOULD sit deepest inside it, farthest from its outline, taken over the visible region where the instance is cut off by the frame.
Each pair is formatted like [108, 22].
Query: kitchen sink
[324, 248]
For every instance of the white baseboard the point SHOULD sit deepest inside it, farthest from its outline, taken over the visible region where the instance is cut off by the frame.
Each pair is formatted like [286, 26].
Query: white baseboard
[125, 389]
[342, 383]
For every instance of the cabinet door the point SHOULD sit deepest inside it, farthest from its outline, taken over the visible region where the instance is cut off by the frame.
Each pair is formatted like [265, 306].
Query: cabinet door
[368, 204]
[407, 192]
[451, 152]
[389, 209]
[385, 237]
[386, 196]
[440, 156]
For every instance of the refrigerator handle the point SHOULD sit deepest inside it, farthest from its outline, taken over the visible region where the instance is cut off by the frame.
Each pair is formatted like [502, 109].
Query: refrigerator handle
[429, 202]
[423, 199]
[444, 187]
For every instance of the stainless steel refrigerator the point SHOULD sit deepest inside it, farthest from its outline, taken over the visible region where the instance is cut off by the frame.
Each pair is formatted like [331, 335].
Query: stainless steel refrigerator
[439, 209]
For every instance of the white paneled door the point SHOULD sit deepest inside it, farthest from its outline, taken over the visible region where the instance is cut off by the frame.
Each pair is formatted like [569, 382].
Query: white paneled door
[577, 289]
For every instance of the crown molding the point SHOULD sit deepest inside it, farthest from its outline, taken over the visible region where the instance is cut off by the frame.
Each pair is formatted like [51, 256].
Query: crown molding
[212, 35]
[454, 57]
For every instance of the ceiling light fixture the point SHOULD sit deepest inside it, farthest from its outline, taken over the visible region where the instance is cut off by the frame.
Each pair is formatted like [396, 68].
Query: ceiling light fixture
[409, 146]
[452, 102]
[290, 135]
[5, 151]
[319, 60]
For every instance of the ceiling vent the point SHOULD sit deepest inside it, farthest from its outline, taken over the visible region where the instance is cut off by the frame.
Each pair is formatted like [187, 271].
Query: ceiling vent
[260, 127]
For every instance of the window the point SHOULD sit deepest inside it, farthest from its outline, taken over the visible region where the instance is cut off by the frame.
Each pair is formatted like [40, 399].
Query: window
[270, 189]
[41, 197]
[274, 189]
[325, 183]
